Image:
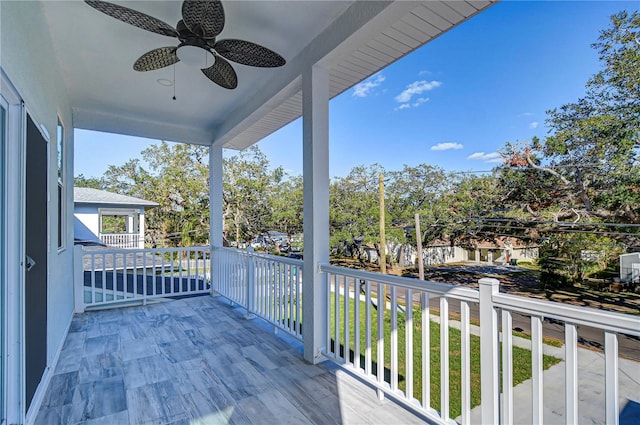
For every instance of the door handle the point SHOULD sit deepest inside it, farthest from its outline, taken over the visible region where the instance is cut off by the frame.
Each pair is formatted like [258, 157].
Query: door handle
[30, 263]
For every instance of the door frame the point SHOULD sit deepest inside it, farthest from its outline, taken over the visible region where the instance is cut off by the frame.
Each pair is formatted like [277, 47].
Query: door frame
[13, 265]
[14, 260]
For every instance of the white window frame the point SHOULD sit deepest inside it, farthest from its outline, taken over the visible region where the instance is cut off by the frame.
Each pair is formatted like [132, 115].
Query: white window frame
[61, 192]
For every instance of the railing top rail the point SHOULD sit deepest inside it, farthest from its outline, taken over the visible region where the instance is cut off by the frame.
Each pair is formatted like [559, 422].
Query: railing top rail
[120, 234]
[601, 319]
[286, 260]
[140, 250]
[442, 289]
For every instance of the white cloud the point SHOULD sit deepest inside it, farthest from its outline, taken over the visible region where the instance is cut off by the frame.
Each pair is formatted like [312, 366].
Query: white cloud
[364, 88]
[416, 88]
[533, 124]
[526, 114]
[415, 104]
[491, 157]
[446, 146]
[420, 101]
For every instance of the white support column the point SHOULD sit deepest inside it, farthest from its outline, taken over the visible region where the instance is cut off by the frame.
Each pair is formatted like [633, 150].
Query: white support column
[215, 209]
[141, 229]
[489, 367]
[315, 153]
[78, 280]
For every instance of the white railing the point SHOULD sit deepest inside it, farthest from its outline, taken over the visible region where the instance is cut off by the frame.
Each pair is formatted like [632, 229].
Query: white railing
[369, 346]
[431, 325]
[115, 276]
[367, 343]
[571, 317]
[121, 240]
[268, 286]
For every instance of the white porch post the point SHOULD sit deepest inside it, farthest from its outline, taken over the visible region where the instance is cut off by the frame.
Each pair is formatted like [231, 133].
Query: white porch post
[489, 357]
[141, 229]
[215, 209]
[315, 153]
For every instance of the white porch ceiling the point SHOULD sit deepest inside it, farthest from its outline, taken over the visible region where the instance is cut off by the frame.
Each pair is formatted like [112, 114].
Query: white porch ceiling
[352, 40]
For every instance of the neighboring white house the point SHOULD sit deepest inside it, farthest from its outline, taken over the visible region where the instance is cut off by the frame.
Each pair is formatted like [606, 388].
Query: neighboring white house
[630, 267]
[91, 206]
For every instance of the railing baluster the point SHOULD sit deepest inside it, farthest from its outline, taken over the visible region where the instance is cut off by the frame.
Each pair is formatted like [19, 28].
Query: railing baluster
[465, 358]
[327, 280]
[367, 313]
[571, 372]
[162, 271]
[179, 254]
[345, 320]
[336, 315]
[271, 290]
[536, 370]
[380, 314]
[93, 277]
[444, 358]
[408, 316]
[291, 293]
[394, 338]
[426, 350]
[298, 281]
[154, 271]
[115, 275]
[356, 324]
[144, 279]
[611, 377]
[507, 367]
[134, 283]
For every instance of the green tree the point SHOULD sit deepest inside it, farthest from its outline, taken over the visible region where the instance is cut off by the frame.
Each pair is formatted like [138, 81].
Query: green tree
[248, 182]
[90, 182]
[354, 206]
[286, 206]
[592, 153]
[178, 181]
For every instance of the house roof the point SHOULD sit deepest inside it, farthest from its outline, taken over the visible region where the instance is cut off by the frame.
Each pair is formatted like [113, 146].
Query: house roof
[352, 40]
[86, 195]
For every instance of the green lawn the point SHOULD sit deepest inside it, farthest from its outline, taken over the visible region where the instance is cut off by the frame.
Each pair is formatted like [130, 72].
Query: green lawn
[521, 357]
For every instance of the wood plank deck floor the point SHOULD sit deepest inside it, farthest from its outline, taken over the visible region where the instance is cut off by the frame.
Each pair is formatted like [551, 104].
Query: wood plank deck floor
[198, 361]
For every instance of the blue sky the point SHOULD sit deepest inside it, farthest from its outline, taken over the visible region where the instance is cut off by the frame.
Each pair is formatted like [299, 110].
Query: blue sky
[451, 103]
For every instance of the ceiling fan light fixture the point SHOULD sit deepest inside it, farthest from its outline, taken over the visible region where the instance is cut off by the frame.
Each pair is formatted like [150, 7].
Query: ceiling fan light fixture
[164, 82]
[195, 56]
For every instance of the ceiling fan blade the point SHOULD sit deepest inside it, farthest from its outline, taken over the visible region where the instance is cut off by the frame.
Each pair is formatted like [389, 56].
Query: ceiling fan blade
[156, 59]
[248, 53]
[222, 73]
[203, 17]
[133, 17]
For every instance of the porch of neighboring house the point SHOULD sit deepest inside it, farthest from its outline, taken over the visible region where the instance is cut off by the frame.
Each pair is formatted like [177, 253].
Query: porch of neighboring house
[117, 220]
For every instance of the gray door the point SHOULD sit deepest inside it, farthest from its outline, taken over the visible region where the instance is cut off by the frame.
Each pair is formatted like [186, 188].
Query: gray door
[36, 251]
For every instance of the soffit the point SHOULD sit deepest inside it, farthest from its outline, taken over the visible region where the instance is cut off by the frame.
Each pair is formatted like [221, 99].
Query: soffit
[353, 40]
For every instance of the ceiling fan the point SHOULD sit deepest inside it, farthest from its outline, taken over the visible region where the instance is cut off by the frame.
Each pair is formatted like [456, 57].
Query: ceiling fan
[202, 21]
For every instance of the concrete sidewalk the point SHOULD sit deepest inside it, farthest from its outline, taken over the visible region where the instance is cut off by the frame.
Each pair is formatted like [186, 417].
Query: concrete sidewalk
[591, 384]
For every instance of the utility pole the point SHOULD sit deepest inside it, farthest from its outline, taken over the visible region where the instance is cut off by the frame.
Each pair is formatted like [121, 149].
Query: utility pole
[383, 243]
[419, 244]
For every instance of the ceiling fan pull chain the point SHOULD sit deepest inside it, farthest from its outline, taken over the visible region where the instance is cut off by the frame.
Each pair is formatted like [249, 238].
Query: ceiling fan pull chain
[174, 81]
